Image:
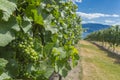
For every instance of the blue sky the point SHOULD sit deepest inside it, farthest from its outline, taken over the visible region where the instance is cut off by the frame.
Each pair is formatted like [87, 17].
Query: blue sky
[99, 11]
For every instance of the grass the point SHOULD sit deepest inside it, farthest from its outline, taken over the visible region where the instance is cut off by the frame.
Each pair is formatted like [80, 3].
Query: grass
[97, 65]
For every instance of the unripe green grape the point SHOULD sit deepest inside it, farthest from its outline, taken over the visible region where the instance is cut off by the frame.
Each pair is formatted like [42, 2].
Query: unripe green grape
[30, 38]
[25, 43]
[25, 49]
[31, 43]
[20, 45]
[29, 46]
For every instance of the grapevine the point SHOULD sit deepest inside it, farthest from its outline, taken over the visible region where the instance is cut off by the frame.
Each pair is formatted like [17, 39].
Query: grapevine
[110, 36]
[38, 38]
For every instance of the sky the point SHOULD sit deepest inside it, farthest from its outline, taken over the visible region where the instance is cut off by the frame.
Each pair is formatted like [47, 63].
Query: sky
[99, 11]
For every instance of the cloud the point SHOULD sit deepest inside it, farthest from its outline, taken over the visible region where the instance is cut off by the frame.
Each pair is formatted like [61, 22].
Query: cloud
[95, 15]
[83, 22]
[77, 1]
[117, 23]
[106, 22]
[109, 21]
[115, 15]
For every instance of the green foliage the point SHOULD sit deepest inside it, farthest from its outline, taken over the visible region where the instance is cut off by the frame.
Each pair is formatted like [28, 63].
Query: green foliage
[110, 35]
[3, 63]
[3, 74]
[7, 9]
[37, 38]
[6, 31]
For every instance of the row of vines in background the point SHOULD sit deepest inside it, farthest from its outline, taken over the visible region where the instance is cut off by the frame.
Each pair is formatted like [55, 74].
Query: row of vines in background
[109, 36]
[37, 38]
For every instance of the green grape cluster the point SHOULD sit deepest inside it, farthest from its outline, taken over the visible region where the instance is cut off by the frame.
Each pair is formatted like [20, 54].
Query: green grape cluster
[24, 47]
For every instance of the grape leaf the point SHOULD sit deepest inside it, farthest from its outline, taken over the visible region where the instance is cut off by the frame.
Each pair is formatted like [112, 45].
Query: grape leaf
[12, 67]
[26, 25]
[53, 29]
[48, 72]
[6, 31]
[3, 63]
[48, 26]
[4, 76]
[7, 8]
[48, 48]
[63, 72]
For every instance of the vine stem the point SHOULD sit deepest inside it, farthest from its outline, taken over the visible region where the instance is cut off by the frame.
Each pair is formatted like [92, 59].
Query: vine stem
[55, 76]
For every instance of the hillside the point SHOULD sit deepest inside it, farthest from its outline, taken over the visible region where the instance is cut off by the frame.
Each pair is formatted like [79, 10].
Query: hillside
[91, 27]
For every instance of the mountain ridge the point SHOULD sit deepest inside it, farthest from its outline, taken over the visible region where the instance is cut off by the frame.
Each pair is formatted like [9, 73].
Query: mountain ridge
[92, 27]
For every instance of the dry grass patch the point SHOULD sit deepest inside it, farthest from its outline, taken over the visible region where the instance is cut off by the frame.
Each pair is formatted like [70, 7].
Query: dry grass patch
[96, 63]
